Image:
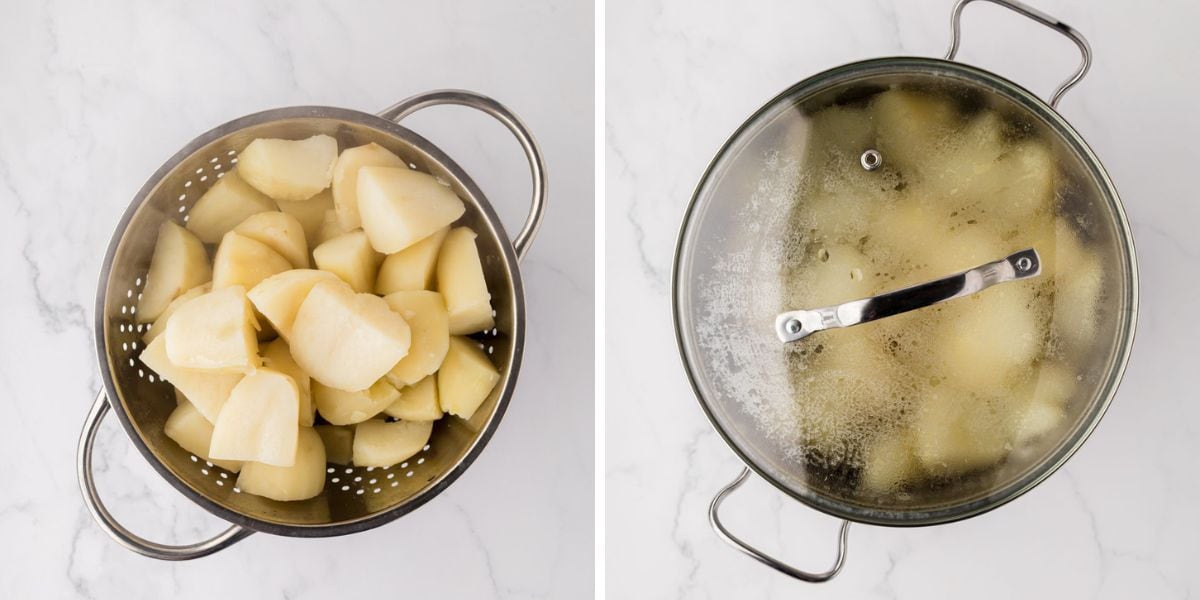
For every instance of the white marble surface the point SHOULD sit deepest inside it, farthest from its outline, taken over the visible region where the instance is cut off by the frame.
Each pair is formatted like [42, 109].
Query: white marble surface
[1119, 521]
[96, 96]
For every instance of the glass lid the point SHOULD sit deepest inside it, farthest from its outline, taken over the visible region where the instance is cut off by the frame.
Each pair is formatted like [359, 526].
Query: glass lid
[867, 179]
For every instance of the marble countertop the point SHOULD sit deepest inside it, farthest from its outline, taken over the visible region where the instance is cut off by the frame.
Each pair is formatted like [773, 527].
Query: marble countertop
[96, 96]
[1119, 521]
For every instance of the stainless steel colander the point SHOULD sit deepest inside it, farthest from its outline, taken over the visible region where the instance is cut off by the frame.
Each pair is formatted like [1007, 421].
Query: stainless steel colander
[354, 498]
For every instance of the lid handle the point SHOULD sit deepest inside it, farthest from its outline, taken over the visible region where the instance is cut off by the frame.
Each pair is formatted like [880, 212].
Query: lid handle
[799, 324]
[1040, 17]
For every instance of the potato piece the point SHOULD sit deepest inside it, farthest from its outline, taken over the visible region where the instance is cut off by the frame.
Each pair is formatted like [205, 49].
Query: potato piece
[160, 324]
[279, 296]
[992, 337]
[329, 229]
[179, 263]
[228, 202]
[206, 390]
[962, 169]
[462, 285]
[417, 402]
[911, 127]
[193, 433]
[302, 480]
[244, 262]
[339, 443]
[838, 134]
[400, 207]
[351, 258]
[1045, 407]
[345, 179]
[259, 421]
[346, 408]
[425, 313]
[466, 378]
[280, 232]
[956, 432]
[278, 356]
[1078, 288]
[889, 464]
[347, 340]
[412, 268]
[836, 274]
[310, 213]
[289, 170]
[382, 444]
[214, 331]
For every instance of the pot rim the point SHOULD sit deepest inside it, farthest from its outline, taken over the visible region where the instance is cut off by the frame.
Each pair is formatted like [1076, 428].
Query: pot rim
[518, 334]
[1069, 445]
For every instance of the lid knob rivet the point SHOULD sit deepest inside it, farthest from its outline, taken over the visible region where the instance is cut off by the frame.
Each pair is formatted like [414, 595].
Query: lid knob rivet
[1024, 264]
[793, 326]
[871, 159]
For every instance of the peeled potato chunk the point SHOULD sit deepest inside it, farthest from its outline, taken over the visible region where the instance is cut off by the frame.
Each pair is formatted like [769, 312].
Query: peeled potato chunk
[193, 433]
[911, 126]
[214, 331]
[179, 263]
[289, 170]
[244, 262]
[991, 337]
[417, 402]
[280, 232]
[351, 258]
[383, 444]
[400, 207]
[956, 432]
[466, 378]
[259, 421]
[310, 213]
[339, 443]
[278, 356]
[837, 273]
[228, 202]
[1047, 402]
[345, 179]
[279, 296]
[346, 408]
[329, 229]
[890, 463]
[461, 283]
[160, 324]
[425, 313]
[207, 390]
[346, 340]
[412, 268]
[300, 481]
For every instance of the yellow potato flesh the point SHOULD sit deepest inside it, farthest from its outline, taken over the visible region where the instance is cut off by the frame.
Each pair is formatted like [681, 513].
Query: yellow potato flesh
[276, 355]
[417, 402]
[346, 408]
[193, 433]
[462, 285]
[207, 390]
[382, 444]
[329, 228]
[400, 207]
[280, 232]
[300, 481]
[242, 261]
[279, 296]
[890, 463]
[339, 443]
[228, 202]
[466, 378]
[214, 331]
[351, 258]
[310, 213]
[289, 170]
[425, 313]
[345, 179]
[179, 263]
[259, 422]
[412, 268]
[160, 324]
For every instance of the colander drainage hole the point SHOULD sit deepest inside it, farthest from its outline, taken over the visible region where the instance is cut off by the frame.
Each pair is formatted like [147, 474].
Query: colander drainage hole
[221, 483]
[330, 470]
[395, 483]
[359, 492]
[409, 474]
[335, 479]
[357, 479]
[372, 482]
[375, 491]
[349, 471]
[345, 488]
[420, 461]
[194, 459]
[204, 471]
[391, 475]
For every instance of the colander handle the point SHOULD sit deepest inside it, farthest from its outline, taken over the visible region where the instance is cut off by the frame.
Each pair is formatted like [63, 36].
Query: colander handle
[87, 483]
[714, 519]
[1040, 17]
[533, 153]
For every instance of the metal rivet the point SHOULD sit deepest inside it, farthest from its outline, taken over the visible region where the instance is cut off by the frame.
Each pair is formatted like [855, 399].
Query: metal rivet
[793, 326]
[1024, 264]
[871, 159]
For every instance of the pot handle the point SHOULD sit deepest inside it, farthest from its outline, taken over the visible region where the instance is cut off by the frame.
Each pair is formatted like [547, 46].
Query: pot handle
[533, 153]
[714, 520]
[87, 484]
[1040, 17]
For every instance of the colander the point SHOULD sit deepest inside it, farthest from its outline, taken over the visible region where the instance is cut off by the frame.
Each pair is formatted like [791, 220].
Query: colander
[739, 242]
[354, 498]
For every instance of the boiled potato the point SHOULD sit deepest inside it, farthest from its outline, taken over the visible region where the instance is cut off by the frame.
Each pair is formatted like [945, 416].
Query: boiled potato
[412, 268]
[242, 261]
[425, 313]
[959, 169]
[193, 433]
[289, 170]
[228, 202]
[1078, 288]
[310, 213]
[278, 356]
[339, 443]
[214, 331]
[280, 232]
[350, 257]
[160, 324]
[890, 463]
[838, 134]
[347, 340]
[382, 444]
[466, 378]
[329, 229]
[956, 432]
[303, 479]
[400, 207]
[206, 390]
[912, 126]
[346, 408]
[993, 336]
[345, 179]
[417, 402]
[259, 422]
[1047, 396]
[836, 274]
[279, 296]
[461, 283]
[179, 263]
